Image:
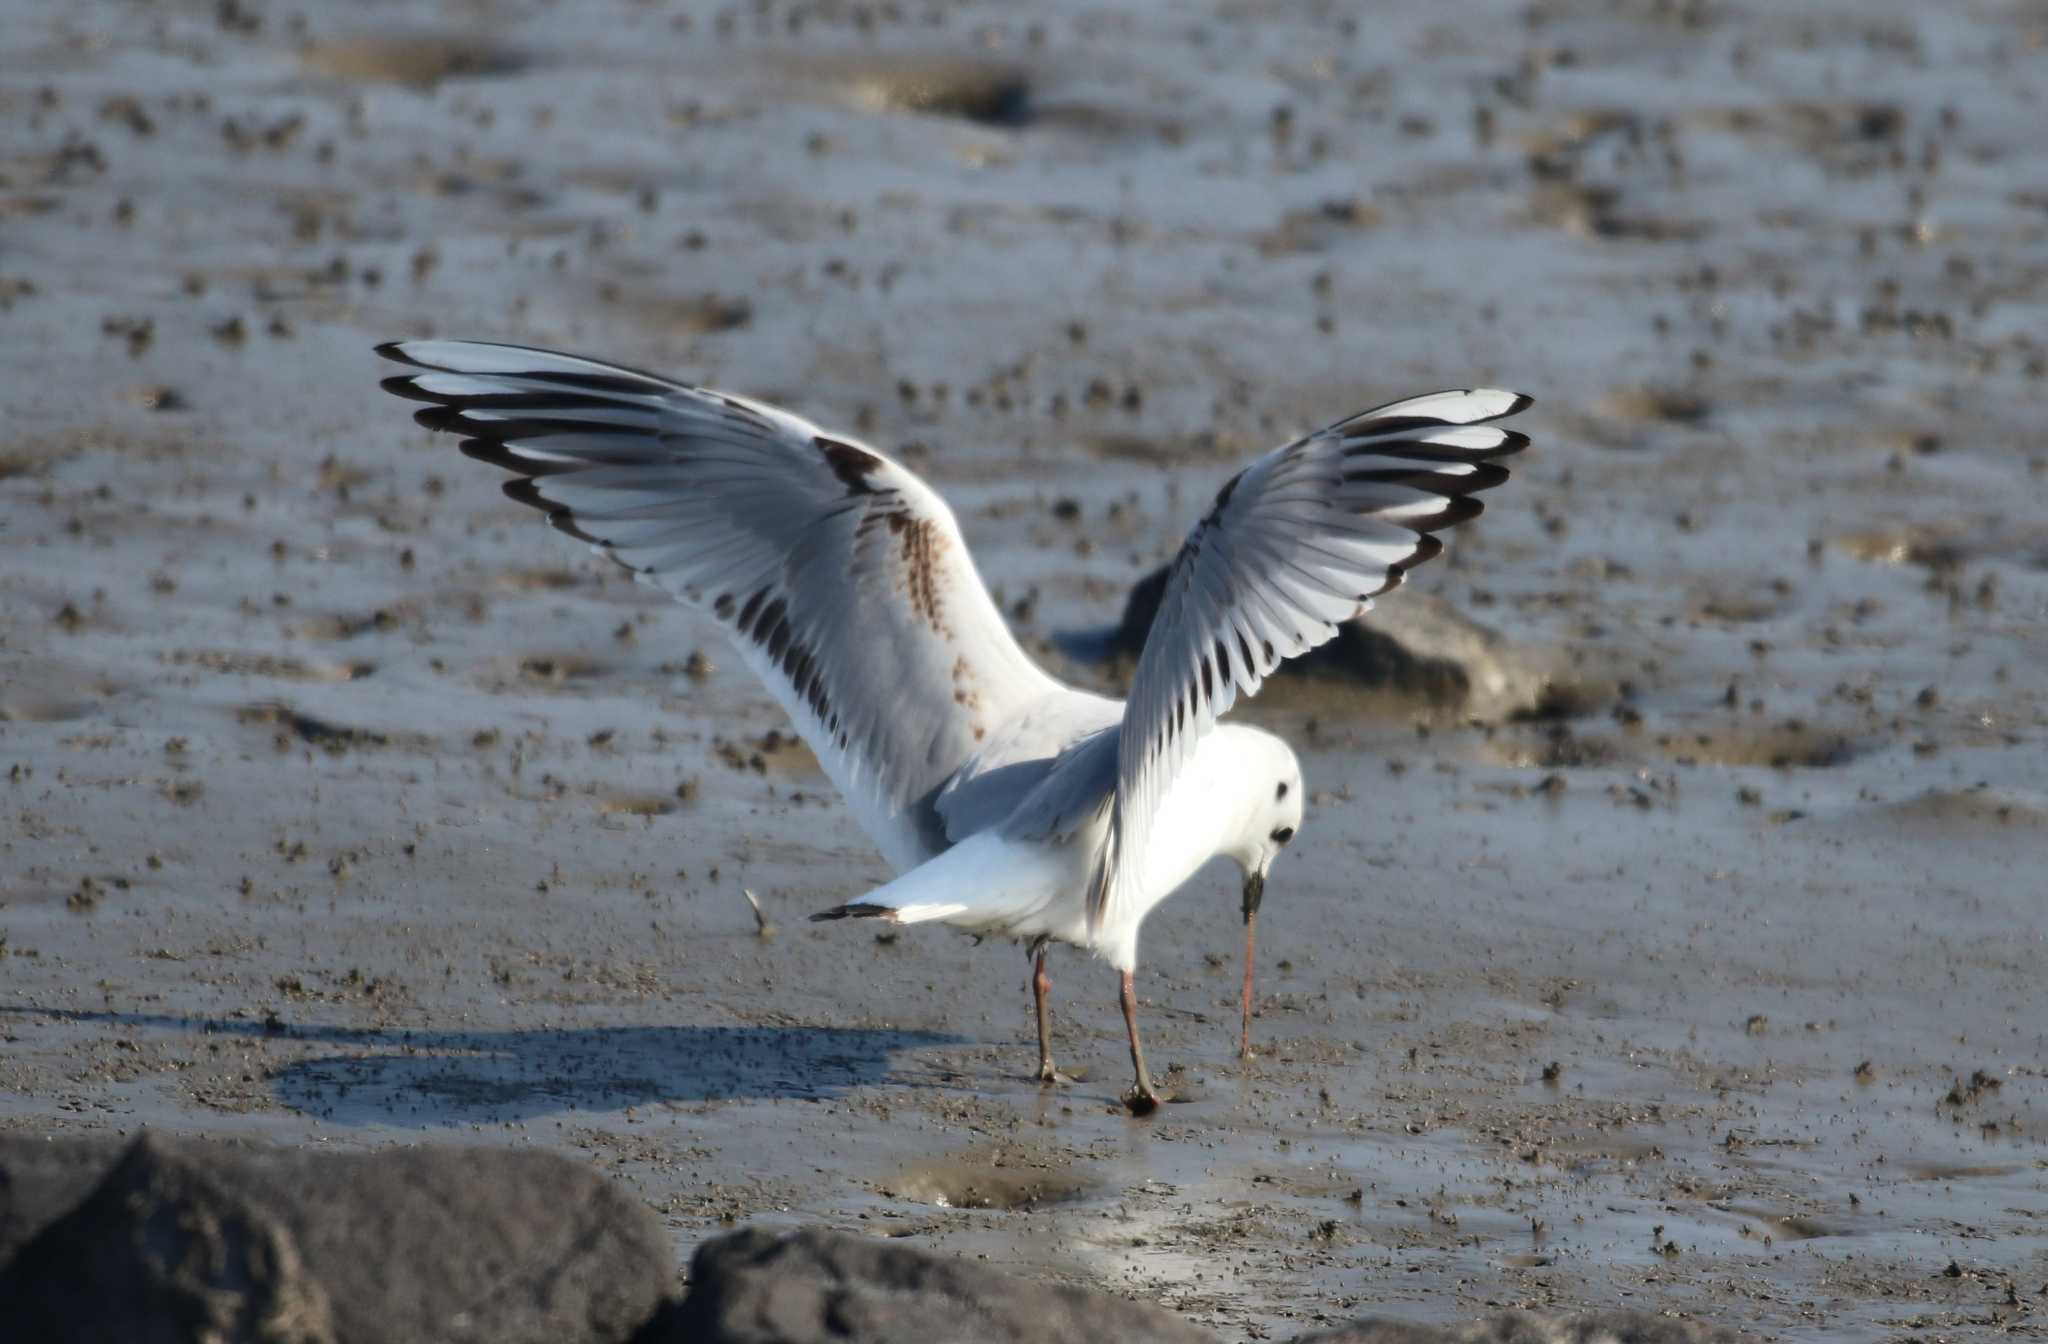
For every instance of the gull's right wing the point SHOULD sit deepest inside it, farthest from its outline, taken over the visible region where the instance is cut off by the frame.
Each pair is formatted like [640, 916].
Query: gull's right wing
[1303, 538]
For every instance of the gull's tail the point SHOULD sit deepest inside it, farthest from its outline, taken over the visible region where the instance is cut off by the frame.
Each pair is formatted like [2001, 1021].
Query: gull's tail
[857, 910]
[985, 882]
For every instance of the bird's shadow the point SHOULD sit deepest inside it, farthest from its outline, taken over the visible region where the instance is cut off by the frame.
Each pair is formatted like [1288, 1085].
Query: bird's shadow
[441, 1078]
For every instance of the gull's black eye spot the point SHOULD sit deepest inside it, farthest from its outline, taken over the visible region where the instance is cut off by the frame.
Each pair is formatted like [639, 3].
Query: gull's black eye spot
[1283, 835]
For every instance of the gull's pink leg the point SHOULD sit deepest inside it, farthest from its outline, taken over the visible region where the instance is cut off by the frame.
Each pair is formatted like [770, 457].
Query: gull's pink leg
[1041, 985]
[1143, 1097]
[1244, 1039]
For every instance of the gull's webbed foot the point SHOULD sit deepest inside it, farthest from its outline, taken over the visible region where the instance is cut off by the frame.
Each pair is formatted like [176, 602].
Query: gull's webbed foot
[1143, 1099]
[1048, 1076]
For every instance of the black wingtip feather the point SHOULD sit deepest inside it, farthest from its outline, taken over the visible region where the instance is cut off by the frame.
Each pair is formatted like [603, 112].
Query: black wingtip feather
[1457, 509]
[1483, 476]
[524, 491]
[498, 455]
[574, 399]
[562, 520]
[402, 385]
[1427, 548]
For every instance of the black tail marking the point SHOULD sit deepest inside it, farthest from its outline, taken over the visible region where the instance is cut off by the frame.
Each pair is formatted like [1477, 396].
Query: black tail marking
[854, 911]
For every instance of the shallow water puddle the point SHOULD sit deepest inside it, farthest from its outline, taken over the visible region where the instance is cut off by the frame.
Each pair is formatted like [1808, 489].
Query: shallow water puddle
[963, 1184]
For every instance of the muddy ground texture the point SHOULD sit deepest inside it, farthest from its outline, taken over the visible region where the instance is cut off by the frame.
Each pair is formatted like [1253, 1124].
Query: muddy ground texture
[1674, 941]
[153, 1240]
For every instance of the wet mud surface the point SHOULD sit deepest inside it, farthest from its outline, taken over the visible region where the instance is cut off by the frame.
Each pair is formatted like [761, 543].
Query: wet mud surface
[346, 805]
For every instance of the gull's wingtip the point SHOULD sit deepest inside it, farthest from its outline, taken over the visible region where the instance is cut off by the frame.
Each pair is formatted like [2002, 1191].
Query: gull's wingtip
[1497, 403]
[1454, 406]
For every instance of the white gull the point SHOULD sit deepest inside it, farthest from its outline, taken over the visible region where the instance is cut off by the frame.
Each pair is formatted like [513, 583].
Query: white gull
[1007, 801]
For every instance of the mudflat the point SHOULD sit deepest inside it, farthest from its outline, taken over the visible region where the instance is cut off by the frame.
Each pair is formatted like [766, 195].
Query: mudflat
[1673, 939]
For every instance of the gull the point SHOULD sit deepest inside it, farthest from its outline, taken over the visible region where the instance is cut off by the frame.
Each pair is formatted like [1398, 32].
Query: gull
[1006, 801]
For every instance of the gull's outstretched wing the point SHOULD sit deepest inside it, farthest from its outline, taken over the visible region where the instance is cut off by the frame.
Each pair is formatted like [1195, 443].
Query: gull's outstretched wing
[841, 577]
[1300, 540]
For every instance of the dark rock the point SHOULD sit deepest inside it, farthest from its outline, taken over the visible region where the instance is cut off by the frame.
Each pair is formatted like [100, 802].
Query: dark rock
[814, 1286]
[1359, 652]
[1414, 645]
[1371, 1330]
[427, 1244]
[161, 1252]
[42, 1180]
[1514, 1327]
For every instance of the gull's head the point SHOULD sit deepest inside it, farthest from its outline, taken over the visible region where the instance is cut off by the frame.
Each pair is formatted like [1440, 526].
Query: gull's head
[1272, 781]
[1275, 793]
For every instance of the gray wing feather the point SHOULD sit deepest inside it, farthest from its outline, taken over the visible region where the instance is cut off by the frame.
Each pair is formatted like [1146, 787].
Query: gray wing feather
[1072, 794]
[840, 576]
[976, 803]
[1300, 540]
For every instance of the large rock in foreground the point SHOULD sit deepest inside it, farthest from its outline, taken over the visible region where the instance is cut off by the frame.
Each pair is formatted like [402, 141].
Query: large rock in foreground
[177, 1241]
[814, 1286]
[41, 1180]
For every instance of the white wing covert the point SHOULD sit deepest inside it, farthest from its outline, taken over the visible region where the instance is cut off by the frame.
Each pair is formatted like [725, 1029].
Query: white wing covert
[840, 576]
[1302, 539]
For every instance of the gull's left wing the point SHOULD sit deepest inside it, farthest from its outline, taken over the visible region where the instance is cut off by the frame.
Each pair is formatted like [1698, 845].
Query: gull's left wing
[842, 579]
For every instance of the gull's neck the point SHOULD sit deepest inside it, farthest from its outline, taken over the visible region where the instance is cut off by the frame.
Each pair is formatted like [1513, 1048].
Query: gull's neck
[1213, 801]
